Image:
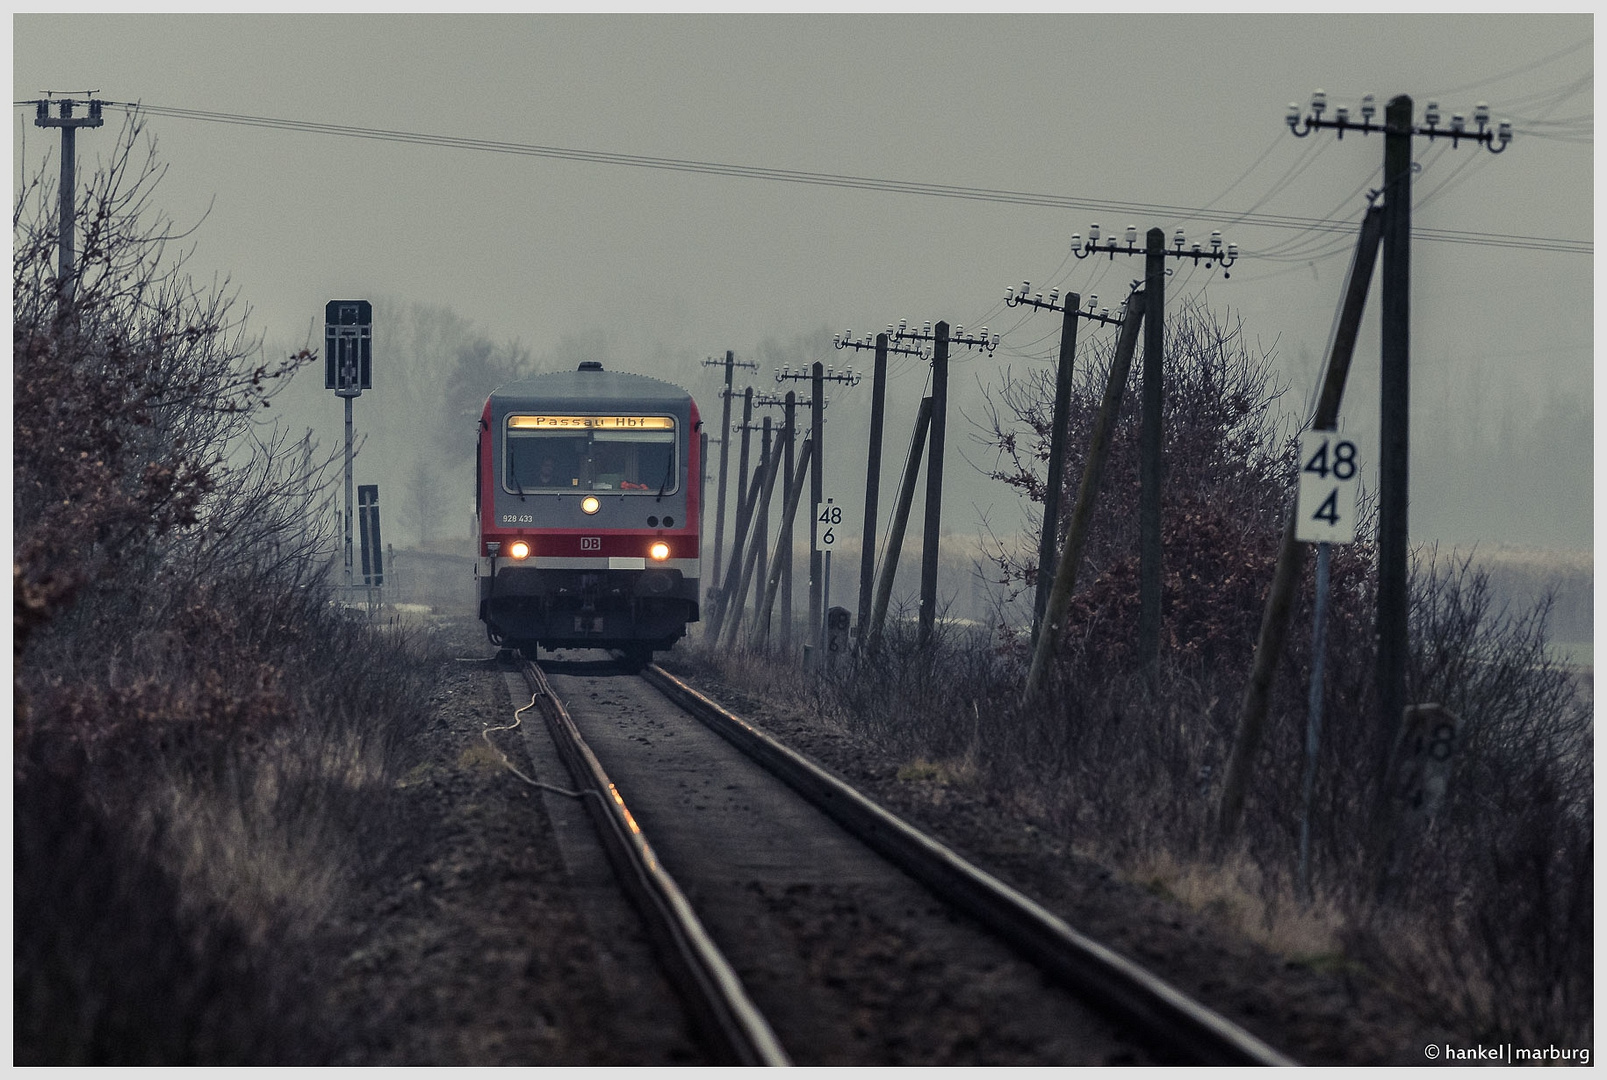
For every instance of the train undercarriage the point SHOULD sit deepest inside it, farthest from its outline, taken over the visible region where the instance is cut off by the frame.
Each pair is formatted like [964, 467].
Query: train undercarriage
[635, 611]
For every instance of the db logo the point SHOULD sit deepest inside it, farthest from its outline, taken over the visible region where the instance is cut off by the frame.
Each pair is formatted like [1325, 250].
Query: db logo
[591, 543]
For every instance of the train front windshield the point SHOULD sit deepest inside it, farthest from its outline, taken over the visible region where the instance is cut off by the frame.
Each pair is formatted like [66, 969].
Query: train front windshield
[590, 453]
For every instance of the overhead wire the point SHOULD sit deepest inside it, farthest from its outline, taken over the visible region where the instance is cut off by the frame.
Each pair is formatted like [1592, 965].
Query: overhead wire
[1307, 249]
[1521, 70]
[846, 181]
[1278, 139]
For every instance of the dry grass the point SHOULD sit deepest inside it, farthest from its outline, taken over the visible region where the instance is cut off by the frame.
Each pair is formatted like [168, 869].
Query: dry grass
[961, 773]
[1237, 894]
[1487, 911]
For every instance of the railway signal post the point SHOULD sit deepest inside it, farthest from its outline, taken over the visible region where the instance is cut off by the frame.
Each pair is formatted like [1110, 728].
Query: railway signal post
[373, 553]
[348, 371]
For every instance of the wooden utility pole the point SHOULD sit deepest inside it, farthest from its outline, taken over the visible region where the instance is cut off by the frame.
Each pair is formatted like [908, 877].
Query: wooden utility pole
[1291, 552]
[742, 467]
[1151, 467]
[784, 535]
[817, 384]
[1087, 495]
[769, 466]
[67, 266]
[722, 610]
[934, 483]
[1395, 362]
[767, 446]
[873, 479]
[1049, 535]
[1394, 421]
[725, 441]
[895, 534]
[1055, 481]
[779, 566]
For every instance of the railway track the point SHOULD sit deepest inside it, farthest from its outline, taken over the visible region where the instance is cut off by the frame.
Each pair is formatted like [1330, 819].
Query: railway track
[788, 939]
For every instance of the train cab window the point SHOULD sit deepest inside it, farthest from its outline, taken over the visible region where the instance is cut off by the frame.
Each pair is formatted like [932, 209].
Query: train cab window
[551, 454]
[545, 462]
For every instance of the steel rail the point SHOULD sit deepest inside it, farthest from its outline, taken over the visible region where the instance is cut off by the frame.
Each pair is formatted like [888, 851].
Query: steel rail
[1097, 974]
[725, 1015]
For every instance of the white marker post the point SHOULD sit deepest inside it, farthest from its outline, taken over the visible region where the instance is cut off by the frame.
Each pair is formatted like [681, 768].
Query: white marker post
[831, 522]
[1325, 514]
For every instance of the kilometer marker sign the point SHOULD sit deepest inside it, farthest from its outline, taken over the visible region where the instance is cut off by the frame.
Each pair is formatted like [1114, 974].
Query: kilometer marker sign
[833, 521]
[1330, 476]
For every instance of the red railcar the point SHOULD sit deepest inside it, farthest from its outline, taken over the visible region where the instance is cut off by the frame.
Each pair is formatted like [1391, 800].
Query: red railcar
[588, 502]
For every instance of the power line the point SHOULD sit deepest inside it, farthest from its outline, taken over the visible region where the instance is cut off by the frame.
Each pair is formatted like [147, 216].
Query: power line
[1524, 69]
[994, 195]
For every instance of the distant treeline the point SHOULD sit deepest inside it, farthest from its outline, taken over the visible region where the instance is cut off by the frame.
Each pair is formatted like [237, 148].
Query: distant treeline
[1521, 577]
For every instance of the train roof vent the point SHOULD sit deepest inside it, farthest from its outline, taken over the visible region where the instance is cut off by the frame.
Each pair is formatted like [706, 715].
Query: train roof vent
[590, 365]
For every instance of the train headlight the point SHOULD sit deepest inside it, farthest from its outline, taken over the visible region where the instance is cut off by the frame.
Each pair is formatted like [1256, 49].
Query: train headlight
[590, 505]
[519, 549]
[659, 551]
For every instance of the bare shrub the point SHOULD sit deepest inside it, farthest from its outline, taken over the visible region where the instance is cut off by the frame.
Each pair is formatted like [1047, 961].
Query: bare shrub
[202, 744]
[1489, 910]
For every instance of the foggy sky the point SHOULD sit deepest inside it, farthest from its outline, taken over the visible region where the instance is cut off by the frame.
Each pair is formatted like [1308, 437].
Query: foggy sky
[660, 268]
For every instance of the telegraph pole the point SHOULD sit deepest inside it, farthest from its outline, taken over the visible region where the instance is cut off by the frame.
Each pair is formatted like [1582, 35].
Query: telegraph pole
[763, 538]
[780, 439]
[1152, 439]
[1151, 469]
[1049, 535]
[790, 499]
[941, 340]
[742, 467]
[789, 511]
[730, 363]
[755, 527]
[895, 532]
[759, 505]
[1395, 359]
[1291, 553]
[817, 405]
[1394, 402]
[817, 385]
[1133, 313]
[818, 375]
[873, 467]
[69, 124]
[934, 484]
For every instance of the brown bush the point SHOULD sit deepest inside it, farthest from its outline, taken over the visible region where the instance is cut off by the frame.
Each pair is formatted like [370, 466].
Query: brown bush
[1489, 910]
[198, 761]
